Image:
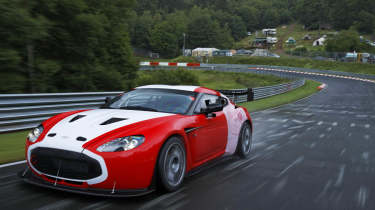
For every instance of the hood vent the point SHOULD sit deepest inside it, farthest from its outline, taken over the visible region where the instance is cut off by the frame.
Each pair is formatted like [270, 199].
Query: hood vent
[113, 120]
[80, 138]
[51, 135]
[77, 118]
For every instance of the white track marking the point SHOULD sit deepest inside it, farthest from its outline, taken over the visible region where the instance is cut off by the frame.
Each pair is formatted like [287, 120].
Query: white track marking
[12, 164]
[317, 74]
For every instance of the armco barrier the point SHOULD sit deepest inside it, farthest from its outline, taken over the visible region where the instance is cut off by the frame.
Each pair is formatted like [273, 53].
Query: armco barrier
[25, 111]
[250, 94]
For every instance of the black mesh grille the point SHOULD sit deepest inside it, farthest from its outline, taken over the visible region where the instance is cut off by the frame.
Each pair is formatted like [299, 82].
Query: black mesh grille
[66, 164]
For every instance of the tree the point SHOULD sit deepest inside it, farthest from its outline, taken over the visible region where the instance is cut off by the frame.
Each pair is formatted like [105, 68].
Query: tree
[365, 22]
[203, 31]
[313, 14]
[163, 40]
[19, 31]
[346, 41]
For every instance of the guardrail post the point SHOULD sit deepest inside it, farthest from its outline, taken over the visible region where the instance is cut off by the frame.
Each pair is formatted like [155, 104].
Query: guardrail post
[250, 94]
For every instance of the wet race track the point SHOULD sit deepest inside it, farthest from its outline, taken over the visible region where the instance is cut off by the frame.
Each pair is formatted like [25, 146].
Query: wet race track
[317, 153]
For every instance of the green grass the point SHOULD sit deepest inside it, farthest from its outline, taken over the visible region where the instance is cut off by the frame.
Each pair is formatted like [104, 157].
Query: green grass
[210, 79]
[12, 146]
[295, 62]
[309, 88]
[283, 33]
[233, 80]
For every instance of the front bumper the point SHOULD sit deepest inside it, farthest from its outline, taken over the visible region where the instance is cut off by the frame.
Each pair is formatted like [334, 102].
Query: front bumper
[28, 176]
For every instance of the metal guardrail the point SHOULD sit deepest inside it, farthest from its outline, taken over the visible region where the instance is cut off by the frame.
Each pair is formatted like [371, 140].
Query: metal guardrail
[25, 111]
[263, 92]
[250, 94]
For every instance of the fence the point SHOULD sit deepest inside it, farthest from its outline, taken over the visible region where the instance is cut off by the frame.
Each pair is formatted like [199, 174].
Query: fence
[250, 94]
[335, 56]
[25, 111]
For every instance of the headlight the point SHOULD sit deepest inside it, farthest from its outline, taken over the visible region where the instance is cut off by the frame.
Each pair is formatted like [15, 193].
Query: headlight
[122, 144]
[34, 134]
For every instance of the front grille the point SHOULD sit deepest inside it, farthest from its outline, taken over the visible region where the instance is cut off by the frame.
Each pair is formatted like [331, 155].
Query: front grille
[65, 164]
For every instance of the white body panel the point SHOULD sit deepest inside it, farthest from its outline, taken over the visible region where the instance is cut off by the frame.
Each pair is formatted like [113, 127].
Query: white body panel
[235, 119]
[173, 87]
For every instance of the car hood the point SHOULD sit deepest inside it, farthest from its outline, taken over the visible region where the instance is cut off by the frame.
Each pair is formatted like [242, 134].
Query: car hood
[72, 132]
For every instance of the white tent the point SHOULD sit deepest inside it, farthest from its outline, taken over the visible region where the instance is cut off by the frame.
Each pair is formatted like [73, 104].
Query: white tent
[319, 42]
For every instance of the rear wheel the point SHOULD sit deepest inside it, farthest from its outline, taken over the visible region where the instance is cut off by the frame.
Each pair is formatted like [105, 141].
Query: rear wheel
[172, 164]
[245, 141]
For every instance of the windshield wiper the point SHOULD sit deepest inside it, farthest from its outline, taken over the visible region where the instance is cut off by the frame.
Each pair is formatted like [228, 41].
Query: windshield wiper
[138, 108]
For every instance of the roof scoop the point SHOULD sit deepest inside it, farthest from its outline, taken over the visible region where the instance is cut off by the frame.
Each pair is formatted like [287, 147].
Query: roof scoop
[113, 120]
[77, 118]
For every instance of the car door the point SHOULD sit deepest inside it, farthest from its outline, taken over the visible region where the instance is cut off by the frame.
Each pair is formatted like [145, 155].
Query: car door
[209, 138]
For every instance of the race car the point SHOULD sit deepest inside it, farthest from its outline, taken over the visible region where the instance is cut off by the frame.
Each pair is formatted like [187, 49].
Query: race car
[149, 137]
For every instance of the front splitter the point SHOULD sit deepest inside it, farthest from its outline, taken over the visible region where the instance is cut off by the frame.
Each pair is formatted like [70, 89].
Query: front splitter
[28, 177]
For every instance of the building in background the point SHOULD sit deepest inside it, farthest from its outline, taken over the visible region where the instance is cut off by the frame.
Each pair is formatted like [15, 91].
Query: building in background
[269, 31]
[200, 52]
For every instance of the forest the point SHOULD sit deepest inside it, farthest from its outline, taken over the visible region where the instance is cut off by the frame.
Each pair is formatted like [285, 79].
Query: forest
[159, 25]
[87, 45]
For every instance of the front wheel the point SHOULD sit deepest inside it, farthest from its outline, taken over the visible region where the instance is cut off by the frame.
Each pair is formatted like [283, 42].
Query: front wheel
[244, 141]
[172, 164]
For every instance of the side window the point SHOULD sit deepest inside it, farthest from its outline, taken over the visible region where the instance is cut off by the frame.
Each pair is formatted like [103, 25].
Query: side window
[202, 103]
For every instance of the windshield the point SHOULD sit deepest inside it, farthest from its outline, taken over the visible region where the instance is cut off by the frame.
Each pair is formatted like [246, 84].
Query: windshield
[157, 100]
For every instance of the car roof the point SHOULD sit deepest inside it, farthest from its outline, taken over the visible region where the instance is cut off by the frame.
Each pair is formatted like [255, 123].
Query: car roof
[191, 88]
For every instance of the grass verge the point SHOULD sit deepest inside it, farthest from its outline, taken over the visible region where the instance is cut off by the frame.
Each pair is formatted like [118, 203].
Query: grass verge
[12, 145]
[233, 80]
[360, 68]
[210, 79]
[309, 88]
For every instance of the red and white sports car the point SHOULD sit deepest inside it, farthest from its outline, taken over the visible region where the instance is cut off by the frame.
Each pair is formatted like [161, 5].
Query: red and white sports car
[152, 135]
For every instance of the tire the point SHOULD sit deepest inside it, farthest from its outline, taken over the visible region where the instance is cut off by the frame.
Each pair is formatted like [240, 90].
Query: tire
[172, 164]
[245, 141]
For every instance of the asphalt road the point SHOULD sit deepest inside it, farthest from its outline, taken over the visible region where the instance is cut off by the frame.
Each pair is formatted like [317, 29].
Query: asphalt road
[317, 153]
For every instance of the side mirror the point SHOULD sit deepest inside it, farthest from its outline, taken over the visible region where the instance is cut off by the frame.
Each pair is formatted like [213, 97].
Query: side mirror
[108, 100]
[210, 108]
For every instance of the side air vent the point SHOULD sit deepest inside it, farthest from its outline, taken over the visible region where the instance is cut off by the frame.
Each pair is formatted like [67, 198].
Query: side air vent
[113, 120]
[77, 118]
